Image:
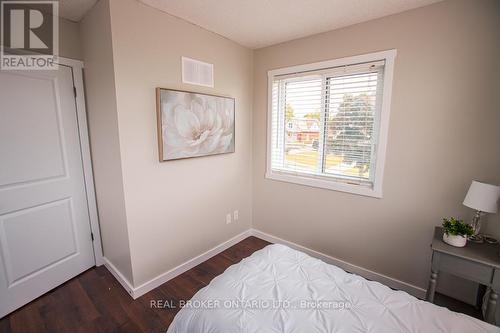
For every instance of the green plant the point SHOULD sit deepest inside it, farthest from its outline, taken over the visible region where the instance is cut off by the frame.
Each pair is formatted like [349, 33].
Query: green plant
[456, 227]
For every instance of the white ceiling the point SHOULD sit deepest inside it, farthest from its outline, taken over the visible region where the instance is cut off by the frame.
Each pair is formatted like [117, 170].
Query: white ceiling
[75, 10]
[259, 23]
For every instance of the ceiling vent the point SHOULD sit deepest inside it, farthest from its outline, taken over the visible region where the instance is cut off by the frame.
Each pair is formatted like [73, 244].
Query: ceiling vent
[197, 72]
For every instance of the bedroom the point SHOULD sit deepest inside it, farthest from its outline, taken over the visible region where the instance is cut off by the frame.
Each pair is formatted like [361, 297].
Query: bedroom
[162, 230]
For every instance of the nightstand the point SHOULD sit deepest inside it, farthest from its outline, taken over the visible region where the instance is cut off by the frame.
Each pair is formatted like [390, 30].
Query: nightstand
[476, 262]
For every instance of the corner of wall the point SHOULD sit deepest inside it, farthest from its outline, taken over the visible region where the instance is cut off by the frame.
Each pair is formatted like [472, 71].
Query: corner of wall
[96, 34]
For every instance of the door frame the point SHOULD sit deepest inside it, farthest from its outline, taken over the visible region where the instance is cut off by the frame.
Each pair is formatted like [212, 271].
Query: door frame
[81, 113]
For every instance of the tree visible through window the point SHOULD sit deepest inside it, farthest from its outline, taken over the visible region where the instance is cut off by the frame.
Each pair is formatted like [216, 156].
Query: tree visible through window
[349, 133]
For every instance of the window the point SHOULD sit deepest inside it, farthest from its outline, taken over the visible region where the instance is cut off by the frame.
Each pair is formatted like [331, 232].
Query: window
[328, 123]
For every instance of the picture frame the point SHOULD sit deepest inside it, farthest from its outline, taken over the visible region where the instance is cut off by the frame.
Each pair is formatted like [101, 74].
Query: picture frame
[192, 124]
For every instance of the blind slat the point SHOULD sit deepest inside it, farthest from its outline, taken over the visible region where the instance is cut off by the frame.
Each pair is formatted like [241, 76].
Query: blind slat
[324, 122]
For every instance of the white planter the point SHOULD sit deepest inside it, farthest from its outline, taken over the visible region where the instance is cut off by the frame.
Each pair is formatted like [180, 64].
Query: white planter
[455, 240]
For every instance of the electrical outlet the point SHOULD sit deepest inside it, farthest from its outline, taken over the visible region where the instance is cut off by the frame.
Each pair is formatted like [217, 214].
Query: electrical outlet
[228, 218]
[236, 215]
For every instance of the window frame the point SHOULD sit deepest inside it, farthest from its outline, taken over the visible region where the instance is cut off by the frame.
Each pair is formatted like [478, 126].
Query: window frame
[336, 184]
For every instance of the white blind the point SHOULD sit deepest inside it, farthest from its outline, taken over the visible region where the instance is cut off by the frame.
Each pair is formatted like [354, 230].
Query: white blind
[325, 122]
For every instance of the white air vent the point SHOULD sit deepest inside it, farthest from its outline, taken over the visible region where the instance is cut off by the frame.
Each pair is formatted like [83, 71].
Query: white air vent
[197, 72]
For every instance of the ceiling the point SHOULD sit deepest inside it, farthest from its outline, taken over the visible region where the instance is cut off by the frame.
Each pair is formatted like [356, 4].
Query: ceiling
[75, 10]
[259, 23]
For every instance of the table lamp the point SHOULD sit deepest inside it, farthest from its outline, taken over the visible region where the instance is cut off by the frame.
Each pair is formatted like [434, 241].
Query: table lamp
[483, 198]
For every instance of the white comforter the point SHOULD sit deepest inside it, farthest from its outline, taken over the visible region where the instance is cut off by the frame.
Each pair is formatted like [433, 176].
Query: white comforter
[278, 289]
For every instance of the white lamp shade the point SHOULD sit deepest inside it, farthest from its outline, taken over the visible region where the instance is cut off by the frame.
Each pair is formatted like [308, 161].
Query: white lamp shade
[482, 197]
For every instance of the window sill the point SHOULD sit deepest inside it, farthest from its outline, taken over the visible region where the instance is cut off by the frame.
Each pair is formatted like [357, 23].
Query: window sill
[325, 184]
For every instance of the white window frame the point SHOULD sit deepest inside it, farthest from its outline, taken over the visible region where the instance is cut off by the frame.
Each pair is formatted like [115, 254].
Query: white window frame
[334, 184]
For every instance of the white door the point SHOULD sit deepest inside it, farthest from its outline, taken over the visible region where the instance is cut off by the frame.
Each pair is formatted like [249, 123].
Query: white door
[45, 235]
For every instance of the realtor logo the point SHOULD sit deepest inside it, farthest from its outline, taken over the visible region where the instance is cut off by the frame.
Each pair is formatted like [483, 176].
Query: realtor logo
[29, 35]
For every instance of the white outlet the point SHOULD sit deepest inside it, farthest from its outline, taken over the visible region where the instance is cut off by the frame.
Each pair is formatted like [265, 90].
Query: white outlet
[228, 218]
[236, 215]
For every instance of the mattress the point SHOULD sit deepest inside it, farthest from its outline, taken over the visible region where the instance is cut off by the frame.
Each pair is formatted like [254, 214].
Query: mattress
[278, 289]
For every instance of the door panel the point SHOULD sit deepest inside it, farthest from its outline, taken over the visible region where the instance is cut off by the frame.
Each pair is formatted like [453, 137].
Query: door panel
[37, 237]
[36, 136]
[44, 219]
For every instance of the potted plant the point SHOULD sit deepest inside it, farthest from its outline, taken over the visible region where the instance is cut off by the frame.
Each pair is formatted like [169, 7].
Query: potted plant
[456, 232]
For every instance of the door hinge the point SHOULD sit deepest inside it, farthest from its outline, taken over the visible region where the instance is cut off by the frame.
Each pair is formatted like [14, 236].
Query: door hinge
[92, 236]
[74, 91]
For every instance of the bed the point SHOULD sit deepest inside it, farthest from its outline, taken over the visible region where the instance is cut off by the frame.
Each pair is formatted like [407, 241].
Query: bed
[278, 289]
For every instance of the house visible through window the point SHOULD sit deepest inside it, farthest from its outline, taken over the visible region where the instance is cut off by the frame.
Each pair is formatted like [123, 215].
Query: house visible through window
[328, 123]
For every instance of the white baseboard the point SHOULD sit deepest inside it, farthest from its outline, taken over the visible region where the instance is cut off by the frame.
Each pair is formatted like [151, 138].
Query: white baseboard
[119, 276]
[366, 273]
[164, 277]
[168, 275]
[161, 279]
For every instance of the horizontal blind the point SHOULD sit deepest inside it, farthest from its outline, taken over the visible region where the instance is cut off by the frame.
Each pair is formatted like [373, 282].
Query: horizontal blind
[324, 123]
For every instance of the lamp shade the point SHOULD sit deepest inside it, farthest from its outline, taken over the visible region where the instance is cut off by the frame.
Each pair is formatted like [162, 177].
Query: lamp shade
[482, 197]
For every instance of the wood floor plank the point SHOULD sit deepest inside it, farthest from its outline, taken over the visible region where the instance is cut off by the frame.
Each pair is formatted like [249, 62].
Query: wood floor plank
[27, 320]
[95, 302]
[5, 326]
[99, 292]
[217, 265]
[164, 313]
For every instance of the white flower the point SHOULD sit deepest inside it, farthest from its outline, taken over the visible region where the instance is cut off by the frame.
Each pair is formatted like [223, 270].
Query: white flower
[196, 125]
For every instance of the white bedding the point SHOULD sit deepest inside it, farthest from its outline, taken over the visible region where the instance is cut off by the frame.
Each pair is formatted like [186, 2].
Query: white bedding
[278, 289]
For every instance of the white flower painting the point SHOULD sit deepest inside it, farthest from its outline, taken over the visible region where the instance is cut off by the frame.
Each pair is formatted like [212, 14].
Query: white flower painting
[192, 124]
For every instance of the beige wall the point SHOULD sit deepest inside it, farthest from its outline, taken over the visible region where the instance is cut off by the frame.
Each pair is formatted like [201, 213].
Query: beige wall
[104, 140]
[176, 210]
[443, 133]
[70, 40]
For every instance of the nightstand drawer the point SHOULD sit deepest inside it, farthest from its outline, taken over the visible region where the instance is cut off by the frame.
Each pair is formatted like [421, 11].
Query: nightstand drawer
[465, 268]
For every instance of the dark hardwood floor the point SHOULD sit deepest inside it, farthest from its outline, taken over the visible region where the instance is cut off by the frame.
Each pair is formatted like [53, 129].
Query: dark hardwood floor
[95, 302]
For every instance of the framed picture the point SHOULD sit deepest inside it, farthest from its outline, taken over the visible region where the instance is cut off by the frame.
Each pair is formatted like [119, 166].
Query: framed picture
[192, 124]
